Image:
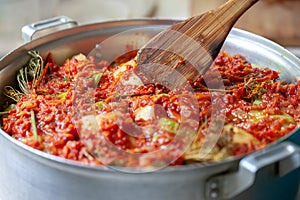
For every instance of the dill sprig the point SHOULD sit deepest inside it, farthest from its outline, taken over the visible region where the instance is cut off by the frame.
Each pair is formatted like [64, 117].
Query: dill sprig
[28, 77]
[254, 89]
[32, 72]
[12, 93]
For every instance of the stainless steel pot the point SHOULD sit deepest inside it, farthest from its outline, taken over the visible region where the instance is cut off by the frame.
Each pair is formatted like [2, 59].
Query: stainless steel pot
[28, 174]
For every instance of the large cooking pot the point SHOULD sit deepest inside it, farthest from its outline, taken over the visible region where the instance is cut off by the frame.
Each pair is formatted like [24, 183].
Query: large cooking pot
[29, 174]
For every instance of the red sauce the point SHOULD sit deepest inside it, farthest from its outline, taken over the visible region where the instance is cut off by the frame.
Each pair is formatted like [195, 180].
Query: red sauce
[255, 101]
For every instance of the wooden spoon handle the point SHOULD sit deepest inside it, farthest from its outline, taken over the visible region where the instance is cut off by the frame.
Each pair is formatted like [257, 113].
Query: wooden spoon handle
[212, 27]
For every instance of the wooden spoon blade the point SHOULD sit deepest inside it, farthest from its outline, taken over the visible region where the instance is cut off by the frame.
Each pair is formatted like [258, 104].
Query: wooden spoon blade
[174, 58]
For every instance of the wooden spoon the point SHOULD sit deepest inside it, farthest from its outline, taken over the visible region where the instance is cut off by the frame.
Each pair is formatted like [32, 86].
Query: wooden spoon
[187, 49]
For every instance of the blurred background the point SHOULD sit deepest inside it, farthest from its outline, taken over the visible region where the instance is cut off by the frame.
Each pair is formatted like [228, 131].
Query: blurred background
[278, 20]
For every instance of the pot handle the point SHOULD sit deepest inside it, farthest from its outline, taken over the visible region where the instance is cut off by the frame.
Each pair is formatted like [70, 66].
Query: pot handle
[285, 155]
[52, 24]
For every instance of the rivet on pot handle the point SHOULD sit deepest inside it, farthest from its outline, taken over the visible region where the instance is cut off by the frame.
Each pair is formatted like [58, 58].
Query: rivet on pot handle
[28, 31]
[226, 186]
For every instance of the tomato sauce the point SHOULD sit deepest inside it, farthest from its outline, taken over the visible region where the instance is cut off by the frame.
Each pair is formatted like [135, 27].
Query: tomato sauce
[257, 105]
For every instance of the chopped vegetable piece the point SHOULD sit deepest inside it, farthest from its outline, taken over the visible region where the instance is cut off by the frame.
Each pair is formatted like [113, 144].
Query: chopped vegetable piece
[168, 125]
[33, 126]
[63, 95]
[97, 78]
[100, 104]
[288, 118]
